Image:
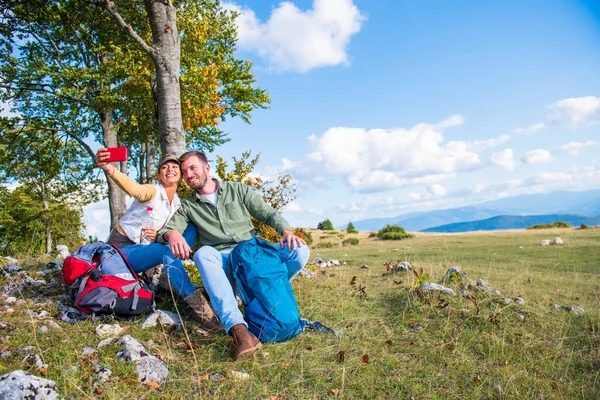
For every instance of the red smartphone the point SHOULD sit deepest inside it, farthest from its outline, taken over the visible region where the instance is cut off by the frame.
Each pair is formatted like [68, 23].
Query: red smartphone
[117, 154]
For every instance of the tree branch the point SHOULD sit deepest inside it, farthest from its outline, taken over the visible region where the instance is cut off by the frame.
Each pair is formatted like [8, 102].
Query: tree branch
[112, 10]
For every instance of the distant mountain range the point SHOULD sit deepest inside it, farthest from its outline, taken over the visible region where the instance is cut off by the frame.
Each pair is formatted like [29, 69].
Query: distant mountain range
[514, 222]
[576, 204]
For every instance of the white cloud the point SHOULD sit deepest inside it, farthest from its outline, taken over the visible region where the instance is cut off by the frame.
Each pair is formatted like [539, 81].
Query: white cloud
[96, 217]
[576, 111]
[529, 130]
[504, 159]
[575, 148]
[296, 40]
[546, 178]
[288, 165]
[383, 159]
[537, 156]
[436, 190]
[479, 145]
[350, 208]
[293, 207]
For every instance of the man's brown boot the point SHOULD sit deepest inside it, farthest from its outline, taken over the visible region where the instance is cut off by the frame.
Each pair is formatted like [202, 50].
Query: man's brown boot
[202, 312]
[244, 342]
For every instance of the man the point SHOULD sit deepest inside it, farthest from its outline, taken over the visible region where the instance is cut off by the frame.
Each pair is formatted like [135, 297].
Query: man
[221, 212]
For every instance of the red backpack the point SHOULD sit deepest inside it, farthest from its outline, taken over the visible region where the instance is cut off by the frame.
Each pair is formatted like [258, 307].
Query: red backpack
[102, 282]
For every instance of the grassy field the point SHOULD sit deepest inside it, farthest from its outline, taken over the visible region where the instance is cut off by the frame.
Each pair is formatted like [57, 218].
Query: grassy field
[396, 343]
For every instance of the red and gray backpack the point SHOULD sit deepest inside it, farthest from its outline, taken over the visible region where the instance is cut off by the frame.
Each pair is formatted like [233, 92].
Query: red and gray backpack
[102, 282]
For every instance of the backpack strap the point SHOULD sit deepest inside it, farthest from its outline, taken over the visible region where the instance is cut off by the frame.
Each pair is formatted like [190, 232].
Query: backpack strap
[319, 327]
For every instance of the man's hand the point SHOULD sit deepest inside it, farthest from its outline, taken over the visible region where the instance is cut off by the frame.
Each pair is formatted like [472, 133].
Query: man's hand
[179, 246]
[292, 240]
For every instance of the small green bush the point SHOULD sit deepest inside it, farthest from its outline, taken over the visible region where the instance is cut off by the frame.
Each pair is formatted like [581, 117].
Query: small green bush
[373, 234]
[350, 228]
[557, 224]
[396, 236]
[393, 232]
[325, 245]
[584, 226]
[351, 241]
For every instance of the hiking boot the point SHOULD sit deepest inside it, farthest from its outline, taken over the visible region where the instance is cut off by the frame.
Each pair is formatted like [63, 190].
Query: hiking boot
[202, 312]
[244, 342]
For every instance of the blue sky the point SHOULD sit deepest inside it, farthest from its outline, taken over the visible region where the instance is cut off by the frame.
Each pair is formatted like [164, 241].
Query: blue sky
[383, 107]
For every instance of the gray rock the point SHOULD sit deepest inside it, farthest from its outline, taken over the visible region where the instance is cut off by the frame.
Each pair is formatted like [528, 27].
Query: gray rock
[430, 286]
[496, 292]
[10, 260]
[149, 368]
[113, 330]
[161, 317]
[5, 354]
[35, 283]
[87, 351]
[103, 373]
[506, 300]
[13, 268]
[35, 360]
[63, 252]
[402, 266]
[53, 325]
[465, 293]
[19, 384]
[557, 240]
[574, 310]
[10, 300]
[454, 272]
[519, 300]
[42, 329]
[308, 273]
[554, 306]
[364, 266]
[20, 302]
[545, 243]
[105, 342]
[414, 329]
[216, 377]
[132, 349]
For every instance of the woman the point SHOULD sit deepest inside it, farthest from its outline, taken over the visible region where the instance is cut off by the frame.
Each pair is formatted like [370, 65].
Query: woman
[128, 233]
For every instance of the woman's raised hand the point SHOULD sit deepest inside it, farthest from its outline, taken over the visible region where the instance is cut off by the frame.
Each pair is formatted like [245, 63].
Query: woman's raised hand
[101, 156]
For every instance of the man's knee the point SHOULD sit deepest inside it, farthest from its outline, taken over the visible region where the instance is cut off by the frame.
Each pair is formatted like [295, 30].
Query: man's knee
[303, 254]
[207, 256]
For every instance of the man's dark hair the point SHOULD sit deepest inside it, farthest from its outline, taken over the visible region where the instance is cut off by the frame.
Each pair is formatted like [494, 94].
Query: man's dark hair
[193, 153]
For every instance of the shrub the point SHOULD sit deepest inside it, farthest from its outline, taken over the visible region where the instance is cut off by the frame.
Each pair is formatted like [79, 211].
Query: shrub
[373, 234]
[393, 232]
[351, 241]
[350, 228]
[557, 224]
[395, 236]
[584, 226]
[325, 225]
[325, 245]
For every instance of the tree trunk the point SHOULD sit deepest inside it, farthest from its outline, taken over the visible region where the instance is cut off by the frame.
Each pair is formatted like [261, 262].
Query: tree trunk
[150, 163]
[166, 57]
[45, 207]
[116, 197]
[142, 164]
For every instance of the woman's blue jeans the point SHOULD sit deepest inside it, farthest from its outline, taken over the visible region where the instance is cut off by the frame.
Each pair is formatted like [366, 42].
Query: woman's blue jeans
[142, 257]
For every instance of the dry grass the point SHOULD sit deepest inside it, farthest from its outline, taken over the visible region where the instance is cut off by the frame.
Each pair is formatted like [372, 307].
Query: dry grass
[396, 343]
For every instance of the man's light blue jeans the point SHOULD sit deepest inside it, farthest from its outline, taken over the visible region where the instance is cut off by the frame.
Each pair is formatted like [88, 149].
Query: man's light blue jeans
[145, 256]
[217, 279]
